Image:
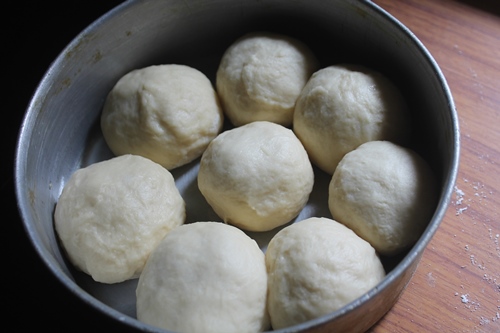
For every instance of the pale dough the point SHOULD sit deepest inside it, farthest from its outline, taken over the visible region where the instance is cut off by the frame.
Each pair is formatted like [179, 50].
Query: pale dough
[316, 266]
[384, 192]
[112, 214]
[205, 277]
[167, 113]
[256, 176]
[344, 106]
[261, 75]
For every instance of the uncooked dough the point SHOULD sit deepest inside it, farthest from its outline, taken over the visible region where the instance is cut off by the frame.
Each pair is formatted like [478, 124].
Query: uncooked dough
[316, 266]
[386, 193]
[112, 214]
[167, 113]
[256, 176]
[205, 277]
[261, 75]
[344, 106]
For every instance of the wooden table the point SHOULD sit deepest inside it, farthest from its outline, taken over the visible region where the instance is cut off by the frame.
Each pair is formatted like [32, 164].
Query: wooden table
[456, 287]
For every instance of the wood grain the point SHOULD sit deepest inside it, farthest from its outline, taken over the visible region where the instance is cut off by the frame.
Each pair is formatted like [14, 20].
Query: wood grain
[456, 287]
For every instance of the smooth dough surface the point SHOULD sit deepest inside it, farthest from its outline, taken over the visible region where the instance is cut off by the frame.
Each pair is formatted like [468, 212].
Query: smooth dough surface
[205, 277]
[112, 214]
[167, 113]
[384, 192]
[257, 176]
[261, 75]
[342, 107]
[316, 266]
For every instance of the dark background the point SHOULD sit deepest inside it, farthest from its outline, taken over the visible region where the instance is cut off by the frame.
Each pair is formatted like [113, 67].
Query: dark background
[36, 33]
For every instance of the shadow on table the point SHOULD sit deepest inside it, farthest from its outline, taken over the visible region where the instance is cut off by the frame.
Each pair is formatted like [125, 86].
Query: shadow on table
[490, 6]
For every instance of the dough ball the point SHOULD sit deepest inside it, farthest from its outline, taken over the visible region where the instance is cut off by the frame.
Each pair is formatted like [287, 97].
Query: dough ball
[205, 277]
[256, 176]
[112, 214]
[385, 193]
[315, 267]
[342, 107]
[167, 113]
[260, 77]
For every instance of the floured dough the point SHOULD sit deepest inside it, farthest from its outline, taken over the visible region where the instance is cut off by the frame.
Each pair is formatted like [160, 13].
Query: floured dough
[316, 266]
[261, 75]
[112, 214]
[205, 277]
[344, 106]
[385, 193]
[167, 113]
[257, 176]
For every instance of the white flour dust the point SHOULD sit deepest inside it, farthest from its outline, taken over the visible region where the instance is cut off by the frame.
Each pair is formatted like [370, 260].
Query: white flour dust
[459, 201]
